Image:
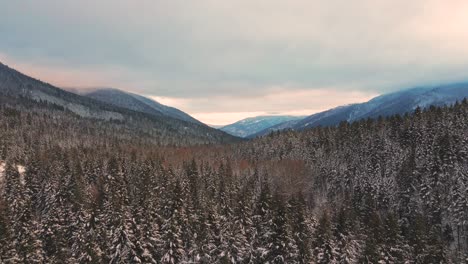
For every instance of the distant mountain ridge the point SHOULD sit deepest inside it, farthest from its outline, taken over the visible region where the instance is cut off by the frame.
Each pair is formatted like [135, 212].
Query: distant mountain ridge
[14, 84]
[252, 125]
[137, 103]
[385, 105]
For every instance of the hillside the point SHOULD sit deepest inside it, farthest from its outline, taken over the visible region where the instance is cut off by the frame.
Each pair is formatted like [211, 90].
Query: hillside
[138, 103]
[252, 125]
[405, 101]
[29, 93]
[389, 190]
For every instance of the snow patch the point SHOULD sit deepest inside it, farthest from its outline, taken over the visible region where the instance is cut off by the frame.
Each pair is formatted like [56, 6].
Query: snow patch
[2, 170]
[21, 170]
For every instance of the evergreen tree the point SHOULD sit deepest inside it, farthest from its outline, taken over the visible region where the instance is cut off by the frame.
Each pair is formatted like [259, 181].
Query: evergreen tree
[323, 244]
[299, 228]
[172, 244]
[280, 245]
[262, 224]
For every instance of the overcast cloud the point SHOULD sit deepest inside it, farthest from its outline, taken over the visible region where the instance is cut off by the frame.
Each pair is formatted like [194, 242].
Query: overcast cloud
[223, 60]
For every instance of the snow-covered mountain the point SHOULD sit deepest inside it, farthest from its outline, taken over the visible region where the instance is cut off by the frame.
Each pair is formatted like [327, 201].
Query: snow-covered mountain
[139, 114]
[137, 103]
[252, 125]
[215, 126]
[385, 105]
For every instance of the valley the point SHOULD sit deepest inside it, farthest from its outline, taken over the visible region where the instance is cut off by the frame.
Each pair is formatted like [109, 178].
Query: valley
[114, 178]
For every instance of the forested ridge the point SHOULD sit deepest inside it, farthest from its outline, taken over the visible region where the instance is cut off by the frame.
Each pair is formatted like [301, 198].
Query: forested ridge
[80, 190]
[28, 96]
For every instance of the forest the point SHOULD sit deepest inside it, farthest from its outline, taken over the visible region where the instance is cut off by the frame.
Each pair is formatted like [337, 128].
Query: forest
[81, 190]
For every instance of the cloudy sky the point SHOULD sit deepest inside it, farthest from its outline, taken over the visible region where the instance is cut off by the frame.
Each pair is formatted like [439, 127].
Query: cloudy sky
[225, 60]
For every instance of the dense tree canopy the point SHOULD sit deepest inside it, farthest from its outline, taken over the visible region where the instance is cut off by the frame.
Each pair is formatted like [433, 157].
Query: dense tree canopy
[75, 190]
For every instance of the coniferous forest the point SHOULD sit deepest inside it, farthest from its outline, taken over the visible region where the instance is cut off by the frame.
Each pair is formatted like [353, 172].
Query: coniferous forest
[80, 190]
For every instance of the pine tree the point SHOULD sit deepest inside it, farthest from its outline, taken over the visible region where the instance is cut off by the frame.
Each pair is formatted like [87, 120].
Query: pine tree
[394, 247]
[123, 249]
[299, 228]
[323, 244]
[25, 245]
[261, 224]
[171, 230]
[279, 245]
[8, 253]
[85, 248]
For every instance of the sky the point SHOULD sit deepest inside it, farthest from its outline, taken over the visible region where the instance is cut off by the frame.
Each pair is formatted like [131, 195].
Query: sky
[221, 61]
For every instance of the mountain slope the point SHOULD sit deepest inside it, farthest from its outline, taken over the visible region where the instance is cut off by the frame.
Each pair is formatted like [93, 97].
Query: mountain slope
[25, 90]
[385, 105]
[138, 103]
[16, 84]
[252, 125]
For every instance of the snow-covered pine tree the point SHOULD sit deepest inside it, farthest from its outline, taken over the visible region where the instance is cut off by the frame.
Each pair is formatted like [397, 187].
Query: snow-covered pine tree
[172, 248]
[299, 229]
[262, 226]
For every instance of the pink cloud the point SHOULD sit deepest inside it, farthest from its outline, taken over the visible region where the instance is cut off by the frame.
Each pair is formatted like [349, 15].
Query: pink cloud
[64, 76]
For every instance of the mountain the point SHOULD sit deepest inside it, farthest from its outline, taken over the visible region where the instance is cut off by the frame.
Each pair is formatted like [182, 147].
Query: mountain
[278, 127]
[139, 115]
[137, 103]
[385, 105]
[16, 84]
[215, 126]
[393, 189]
[386, 191]
[252, 125]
